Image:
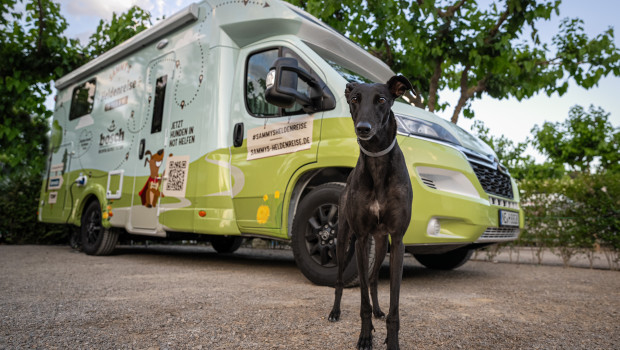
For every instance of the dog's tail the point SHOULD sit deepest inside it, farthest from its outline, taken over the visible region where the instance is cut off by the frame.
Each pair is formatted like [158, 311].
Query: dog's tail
[351, 250]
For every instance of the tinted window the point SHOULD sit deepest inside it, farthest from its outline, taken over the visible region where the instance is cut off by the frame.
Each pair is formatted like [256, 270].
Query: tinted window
[83, 99]
[257, 69]
[158, 105]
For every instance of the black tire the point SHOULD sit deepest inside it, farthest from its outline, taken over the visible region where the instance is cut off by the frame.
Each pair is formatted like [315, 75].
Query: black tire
[314, 237]
[96, 239]
[445, 261]
[226, 245]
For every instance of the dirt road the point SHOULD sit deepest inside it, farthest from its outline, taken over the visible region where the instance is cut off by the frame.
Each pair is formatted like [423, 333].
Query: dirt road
[192, 298]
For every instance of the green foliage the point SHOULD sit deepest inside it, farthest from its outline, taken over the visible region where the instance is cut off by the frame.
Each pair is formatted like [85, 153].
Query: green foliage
[571, 214]
[475, 51]
[120, 28]
[585, 141]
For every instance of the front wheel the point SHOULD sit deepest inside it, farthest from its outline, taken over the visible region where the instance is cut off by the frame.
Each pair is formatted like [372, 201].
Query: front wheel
[314, 237]
[96, 239]
[445, 261]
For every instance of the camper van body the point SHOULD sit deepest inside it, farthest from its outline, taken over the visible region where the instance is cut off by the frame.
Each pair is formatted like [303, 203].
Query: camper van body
[170, 133]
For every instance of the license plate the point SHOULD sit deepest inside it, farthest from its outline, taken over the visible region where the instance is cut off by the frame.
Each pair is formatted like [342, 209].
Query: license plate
[508, 218]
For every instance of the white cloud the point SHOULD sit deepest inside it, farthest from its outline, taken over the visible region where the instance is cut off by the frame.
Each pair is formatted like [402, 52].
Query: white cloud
[103, 9]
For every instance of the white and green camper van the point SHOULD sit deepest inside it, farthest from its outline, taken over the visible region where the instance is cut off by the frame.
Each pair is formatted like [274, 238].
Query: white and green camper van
[170, 134]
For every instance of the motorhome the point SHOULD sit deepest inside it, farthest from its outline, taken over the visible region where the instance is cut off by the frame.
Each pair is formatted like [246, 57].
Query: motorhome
[171, 134]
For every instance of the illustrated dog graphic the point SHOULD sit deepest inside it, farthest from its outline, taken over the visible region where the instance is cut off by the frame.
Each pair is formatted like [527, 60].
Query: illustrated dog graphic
[376, 203]
[150, 192]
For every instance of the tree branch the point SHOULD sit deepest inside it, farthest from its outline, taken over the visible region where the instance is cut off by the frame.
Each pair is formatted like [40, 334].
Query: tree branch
[434, 85]
[495, 29]
[451, 9]
[41, 26]
[467, 92]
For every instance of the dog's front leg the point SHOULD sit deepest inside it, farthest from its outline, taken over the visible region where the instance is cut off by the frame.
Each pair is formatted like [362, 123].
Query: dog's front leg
[361, 253]
[381, 246]
[396, 275]
[342, 239]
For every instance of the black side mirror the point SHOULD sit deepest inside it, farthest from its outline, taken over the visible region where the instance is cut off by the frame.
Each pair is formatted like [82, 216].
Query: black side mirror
[282, 91]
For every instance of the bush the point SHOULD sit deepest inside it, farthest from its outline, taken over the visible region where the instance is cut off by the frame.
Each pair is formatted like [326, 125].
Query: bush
[19, 203]
[573, 214]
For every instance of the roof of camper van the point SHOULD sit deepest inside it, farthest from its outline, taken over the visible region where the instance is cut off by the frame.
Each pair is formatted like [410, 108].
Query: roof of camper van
[323, 39]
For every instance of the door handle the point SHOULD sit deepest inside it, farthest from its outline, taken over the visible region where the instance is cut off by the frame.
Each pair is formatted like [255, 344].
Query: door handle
[238, 135]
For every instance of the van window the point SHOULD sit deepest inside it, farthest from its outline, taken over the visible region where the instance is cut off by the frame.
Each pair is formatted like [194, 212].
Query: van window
[158, 104]
[256, 74]
[83, 99]
[257, 69]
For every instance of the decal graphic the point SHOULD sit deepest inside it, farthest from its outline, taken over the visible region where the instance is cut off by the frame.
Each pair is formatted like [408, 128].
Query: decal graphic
[176, 183]
[264, 211]
[150, 192]
[52, 197]
[280, 138]
[55, 182]
[181, 135]
[113, 140]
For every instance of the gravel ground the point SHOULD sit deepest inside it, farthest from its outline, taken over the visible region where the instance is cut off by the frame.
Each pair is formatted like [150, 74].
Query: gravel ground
[191, 298]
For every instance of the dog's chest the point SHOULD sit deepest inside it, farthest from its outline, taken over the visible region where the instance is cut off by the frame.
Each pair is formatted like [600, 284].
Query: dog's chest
[375, 209]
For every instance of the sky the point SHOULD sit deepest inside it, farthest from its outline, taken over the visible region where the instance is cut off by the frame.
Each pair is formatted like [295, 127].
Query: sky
[507, 117]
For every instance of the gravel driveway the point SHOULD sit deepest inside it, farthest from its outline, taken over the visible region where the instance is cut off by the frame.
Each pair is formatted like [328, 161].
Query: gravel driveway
[191, 298]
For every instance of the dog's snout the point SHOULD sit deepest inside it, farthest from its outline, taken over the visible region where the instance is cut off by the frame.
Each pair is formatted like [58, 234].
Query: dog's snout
[363, 128]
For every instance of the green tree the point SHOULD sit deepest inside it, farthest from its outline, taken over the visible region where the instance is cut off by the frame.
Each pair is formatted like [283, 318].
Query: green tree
[585, 141]
[457, 45]
[511, 154]
[120, 28]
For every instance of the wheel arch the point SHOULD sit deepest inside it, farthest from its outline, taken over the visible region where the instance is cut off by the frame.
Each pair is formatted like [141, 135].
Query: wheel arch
[309, 180]
[91, 194]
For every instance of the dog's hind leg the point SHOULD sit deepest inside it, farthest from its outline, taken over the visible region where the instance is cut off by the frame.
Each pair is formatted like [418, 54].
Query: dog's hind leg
[381, 246]
[342, 239]
[396, 274]
[361, 254]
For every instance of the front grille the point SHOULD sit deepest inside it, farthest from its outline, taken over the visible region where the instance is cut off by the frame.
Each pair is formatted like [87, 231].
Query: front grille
[499, 234]
[493, 181]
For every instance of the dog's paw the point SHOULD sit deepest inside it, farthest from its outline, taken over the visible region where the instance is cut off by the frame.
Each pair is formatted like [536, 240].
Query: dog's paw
[334, 316]
[392, 345]
[378, 314]
[364, 343]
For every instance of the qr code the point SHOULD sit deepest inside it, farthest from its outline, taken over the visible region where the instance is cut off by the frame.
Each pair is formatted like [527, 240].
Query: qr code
[176, 175]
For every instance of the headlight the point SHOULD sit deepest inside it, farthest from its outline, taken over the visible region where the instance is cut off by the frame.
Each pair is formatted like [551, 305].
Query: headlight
[424, 128]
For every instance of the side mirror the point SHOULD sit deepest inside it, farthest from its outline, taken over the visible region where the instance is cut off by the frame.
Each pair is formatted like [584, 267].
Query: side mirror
[281, 84]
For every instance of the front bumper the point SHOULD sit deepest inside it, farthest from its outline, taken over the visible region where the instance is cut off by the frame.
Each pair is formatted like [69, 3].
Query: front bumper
[457, 196]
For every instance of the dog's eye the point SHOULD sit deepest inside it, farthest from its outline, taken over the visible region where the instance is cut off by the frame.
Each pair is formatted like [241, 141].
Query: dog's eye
[382, 100]
[354, 100]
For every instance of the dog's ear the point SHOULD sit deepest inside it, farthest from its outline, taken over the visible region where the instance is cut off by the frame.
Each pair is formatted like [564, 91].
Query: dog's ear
[398, 85]
[350, 87]
[146, 159]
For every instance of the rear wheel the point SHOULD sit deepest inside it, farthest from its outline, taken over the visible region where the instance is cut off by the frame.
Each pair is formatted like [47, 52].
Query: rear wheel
[96, 239]
[445, 261]
[315, 229]
[224, 244]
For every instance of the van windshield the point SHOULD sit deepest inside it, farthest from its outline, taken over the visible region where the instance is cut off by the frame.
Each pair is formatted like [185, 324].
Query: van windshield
[349, 75]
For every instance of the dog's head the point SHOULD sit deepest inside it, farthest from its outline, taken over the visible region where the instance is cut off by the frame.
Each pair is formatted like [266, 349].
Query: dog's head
[370, 104]
[154, 162]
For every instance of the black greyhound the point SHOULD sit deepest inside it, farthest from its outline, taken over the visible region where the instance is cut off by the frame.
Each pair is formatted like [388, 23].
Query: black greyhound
[375, 203]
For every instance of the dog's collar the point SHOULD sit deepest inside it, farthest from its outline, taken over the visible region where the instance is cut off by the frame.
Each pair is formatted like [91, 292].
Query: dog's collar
[377, 154]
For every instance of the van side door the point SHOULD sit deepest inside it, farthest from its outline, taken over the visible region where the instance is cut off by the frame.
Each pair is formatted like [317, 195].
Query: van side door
[154, 128]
